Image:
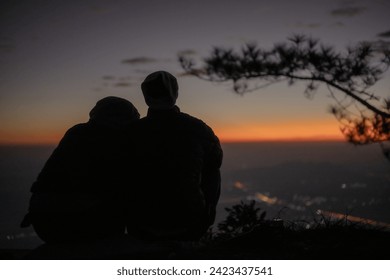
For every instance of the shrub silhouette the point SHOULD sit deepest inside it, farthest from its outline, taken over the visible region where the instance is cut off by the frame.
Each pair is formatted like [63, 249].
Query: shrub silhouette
[241, 218]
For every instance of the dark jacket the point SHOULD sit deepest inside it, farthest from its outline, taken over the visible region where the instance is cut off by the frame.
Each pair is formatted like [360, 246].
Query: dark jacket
[178, 177]
[79, 192]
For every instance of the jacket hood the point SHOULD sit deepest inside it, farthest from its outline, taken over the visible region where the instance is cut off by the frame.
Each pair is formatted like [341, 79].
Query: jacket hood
[114, 111]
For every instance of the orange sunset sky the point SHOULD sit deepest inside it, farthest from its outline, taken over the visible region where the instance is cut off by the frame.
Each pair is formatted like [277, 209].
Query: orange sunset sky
[58, 58]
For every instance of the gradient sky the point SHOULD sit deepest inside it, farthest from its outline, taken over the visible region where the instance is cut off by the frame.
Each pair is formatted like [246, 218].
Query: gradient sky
[57, 58]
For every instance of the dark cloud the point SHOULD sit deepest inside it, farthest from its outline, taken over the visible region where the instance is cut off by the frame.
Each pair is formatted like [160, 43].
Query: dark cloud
[347, 11]
[187, 52]
[110, 81]
[139, 60]
[123, 84]
[194, 72]
[385, 34]
[108, 78]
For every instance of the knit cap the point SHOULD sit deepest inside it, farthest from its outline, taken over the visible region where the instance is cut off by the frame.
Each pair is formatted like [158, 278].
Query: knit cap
[160, 90]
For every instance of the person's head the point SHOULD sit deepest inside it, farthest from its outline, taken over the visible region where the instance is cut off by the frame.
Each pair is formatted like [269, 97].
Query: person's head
[113, 110]
[160, 90]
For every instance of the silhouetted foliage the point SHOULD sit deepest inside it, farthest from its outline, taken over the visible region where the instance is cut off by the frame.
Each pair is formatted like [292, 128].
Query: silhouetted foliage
[348, 75]
[241, 218]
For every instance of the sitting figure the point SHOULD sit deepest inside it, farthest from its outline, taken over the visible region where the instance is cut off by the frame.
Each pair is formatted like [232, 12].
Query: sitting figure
[78, 195]
[178, 168]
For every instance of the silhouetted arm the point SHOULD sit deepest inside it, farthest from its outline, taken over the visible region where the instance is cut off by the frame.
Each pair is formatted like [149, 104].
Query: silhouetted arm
[211, 176]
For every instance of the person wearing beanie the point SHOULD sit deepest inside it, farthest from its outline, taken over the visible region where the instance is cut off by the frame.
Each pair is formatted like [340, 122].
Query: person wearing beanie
[78, 194]
[178, 171]
[160, 90]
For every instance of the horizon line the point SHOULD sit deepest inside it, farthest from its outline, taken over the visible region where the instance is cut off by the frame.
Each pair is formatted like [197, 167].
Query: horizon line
[228, 141]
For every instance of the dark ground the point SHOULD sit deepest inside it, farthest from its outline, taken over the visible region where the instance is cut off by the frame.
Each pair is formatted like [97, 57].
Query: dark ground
[327, 243]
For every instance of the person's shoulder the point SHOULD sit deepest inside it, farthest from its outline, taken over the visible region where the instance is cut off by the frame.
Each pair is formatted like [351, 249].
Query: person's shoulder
[77, 133]
[78, 129]
[196, 123]
[192, 119]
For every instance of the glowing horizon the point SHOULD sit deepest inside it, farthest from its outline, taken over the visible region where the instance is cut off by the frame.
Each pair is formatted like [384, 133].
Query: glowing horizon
[318, 130]
[287, 132]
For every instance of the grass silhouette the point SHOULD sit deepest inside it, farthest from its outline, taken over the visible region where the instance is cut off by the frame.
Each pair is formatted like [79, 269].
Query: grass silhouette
[246, 234]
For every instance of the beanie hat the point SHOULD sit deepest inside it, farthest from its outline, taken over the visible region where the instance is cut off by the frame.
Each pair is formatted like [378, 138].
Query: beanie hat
[160, 90]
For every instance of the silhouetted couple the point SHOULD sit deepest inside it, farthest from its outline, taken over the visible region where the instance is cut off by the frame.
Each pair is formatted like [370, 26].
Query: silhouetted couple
[157, 177]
